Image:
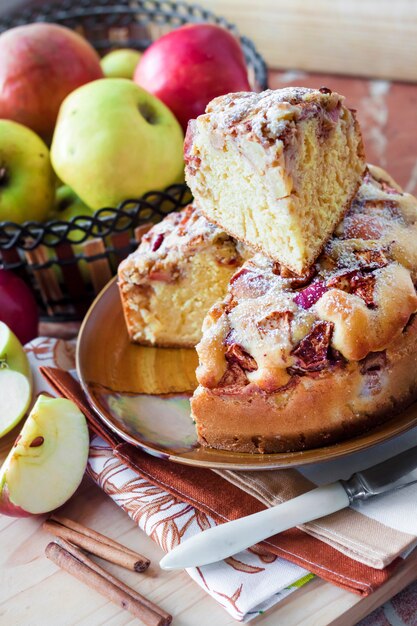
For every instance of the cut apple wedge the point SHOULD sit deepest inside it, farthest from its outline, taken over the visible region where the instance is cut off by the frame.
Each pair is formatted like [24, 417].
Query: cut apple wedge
[15, 396]
[48, 460]
[15, 380]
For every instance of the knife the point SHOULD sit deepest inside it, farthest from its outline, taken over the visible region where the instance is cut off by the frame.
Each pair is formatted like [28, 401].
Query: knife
[222, 541]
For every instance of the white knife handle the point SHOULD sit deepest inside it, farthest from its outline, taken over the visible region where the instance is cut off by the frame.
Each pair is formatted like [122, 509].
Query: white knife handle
[230, 538]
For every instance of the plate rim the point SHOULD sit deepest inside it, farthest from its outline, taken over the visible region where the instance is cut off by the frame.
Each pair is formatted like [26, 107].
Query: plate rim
[274, 461]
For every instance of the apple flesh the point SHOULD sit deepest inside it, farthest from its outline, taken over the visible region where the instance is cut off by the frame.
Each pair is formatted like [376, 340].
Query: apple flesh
[12, 355]
[40, 65]
[15, 396]
[48, 460]
[114, 141]
[27, 180]
[120, 63]
[190, 66]
[18, 307]
[15, 380]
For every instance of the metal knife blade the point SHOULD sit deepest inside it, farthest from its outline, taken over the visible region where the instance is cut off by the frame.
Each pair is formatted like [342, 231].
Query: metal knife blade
[226, 539]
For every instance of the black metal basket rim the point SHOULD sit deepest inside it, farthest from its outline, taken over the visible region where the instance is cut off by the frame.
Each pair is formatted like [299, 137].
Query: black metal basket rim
[30, 234]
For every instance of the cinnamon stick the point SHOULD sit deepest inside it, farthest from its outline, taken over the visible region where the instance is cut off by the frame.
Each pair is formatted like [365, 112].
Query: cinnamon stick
[93, 534]
[96, 543]
[88, 572]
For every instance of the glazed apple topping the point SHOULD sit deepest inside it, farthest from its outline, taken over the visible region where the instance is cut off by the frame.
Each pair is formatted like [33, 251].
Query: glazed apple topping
[157, 242]
[371, 259]
[234, 376]
[249, 284]
[342, 281]
[242, 272]
[311, 294]
[355, 282]
[236, 354]
[188, 216]
[312, 352]
[164, 273]
[229, 303]
[364, 287]
[295, 281]
[276, 321]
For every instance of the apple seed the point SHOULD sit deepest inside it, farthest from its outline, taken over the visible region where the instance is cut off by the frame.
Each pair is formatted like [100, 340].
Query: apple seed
[38, 441]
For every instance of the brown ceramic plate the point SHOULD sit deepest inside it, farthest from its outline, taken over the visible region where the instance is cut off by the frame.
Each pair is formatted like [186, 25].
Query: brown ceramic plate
[142, 394]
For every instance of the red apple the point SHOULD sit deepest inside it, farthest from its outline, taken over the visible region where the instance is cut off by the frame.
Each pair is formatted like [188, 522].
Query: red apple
[40, 65]
[18, 307]
[190, 66]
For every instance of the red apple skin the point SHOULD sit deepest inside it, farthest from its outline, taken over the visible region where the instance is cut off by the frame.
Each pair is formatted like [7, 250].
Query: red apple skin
[190, 66]
[8, 508]
[18, 307]
[40, 65]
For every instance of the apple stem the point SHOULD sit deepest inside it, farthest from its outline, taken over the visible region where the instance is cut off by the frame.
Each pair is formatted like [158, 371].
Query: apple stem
[3, 363]
[3, 176]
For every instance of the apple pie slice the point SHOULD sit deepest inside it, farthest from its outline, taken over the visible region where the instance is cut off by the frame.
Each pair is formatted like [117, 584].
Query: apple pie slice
[276, 170]
[289, 362]
[181, 267]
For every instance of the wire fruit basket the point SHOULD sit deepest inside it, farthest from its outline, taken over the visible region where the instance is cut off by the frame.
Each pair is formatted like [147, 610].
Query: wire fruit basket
[68, 263]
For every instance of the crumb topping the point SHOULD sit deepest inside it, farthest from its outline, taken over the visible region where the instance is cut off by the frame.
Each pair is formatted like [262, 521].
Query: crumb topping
[271, 114]
[164, 250]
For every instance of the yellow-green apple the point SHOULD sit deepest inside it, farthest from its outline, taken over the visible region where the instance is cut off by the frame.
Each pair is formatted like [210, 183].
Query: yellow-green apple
[69, 205]
[190, 66]
[40, 65]
[48, 460]
[120, 63]
[15, 380]
[27, 180]
[114, 141]
[18, 307]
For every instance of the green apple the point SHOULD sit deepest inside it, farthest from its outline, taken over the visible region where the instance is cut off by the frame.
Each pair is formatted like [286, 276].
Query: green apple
[15, 380]
[69, 205]
[120, 63]
[114, 141]
[48, 460]
[27, 180]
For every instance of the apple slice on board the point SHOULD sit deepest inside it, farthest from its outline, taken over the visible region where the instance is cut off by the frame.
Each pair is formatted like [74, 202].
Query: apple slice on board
[48, 460]
[15, 380]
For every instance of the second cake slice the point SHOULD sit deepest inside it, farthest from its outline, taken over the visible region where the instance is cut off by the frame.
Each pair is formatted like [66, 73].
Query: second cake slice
[276, 169]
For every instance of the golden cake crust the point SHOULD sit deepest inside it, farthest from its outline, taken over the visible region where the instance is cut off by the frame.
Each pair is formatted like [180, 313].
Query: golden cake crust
[290, 362]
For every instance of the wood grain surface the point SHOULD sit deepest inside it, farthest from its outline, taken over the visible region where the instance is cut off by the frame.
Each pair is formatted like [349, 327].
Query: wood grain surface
[374, 38]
